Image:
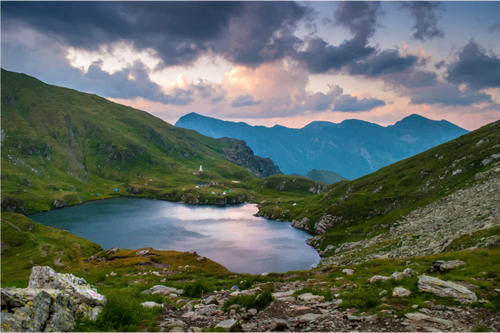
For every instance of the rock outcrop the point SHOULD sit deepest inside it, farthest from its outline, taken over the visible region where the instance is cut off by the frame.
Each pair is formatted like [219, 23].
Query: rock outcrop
[52, 302]
[242, 155]
[443, 288]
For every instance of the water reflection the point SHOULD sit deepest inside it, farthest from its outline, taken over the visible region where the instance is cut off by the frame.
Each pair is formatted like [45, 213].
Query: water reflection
[231, 236]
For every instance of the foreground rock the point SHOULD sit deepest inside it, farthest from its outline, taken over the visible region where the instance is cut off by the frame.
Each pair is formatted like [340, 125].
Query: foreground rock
[442, 288]
[52, 302]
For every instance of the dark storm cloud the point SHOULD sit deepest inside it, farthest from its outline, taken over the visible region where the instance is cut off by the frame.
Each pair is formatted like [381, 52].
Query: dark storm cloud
[448, 95]
[361, 20]
[262, 32]
[440, 64]
[243, 32]
[495, 27]
[475, 68]
[244, 100]
[386, 62]
[425, 27]
[347, 103]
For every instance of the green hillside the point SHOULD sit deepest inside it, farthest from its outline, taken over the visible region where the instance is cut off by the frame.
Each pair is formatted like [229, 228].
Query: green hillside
[63, 147]
[325, 176]
[372, 205]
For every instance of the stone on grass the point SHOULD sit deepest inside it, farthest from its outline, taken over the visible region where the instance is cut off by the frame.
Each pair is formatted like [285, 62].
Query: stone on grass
[401, 292]
[310, 297]
[441, 266]
[227, 324]
[348, 271]
[442, 288]
[149, 304]
[283, 294]
[252, 312]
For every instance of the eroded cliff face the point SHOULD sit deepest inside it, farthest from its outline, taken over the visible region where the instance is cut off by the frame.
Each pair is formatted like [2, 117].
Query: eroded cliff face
[242, 155]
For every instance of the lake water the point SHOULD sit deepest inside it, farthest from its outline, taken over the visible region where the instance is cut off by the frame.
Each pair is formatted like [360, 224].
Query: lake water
[231, 235]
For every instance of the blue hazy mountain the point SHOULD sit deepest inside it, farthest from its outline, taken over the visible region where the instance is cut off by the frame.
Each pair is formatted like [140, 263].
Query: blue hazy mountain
[352, 148]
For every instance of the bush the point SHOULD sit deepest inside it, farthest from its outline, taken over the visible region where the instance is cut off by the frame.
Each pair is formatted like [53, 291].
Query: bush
[258, 301]
[198, 288]
[480, 328]
[122, 313]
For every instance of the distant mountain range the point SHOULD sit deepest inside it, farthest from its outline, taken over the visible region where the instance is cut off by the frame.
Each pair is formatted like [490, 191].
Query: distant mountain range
[352, 148]
[324, 176]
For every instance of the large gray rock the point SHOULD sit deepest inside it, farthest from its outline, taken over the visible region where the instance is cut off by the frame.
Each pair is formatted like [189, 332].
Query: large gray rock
[279, 325]
[52, 302]
[442, 288]
[442, 266]
[227, 324]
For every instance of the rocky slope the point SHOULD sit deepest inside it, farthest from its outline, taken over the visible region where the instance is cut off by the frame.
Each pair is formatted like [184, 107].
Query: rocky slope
[353, 148]
[241, 154]
[446, 197]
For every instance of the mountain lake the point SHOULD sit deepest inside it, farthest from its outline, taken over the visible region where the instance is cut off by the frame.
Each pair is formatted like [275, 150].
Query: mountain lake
[231, 235]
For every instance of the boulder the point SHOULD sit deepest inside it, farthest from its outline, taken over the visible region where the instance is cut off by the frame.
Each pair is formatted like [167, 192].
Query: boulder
[52, 302]
[252, 312]
[442, 266]
[310, 297]
[421, 320]
[442, 288]
[133, 190]
[162, 290]
[227, 324]
[58, 203]
[150, 304]
[348, 271]
[26, 182]
[283, 294]
[308, 317]
[408, 272]
[401, 292]
[279, 325]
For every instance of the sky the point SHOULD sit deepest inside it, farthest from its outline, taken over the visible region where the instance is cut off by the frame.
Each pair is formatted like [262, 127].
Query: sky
[267, 63]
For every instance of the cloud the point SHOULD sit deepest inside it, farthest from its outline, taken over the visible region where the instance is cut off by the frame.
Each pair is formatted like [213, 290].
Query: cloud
[475, 68]
[495, 27]
[425, 27]
[247, 33]
[244, 100]
[357, 16]
[348, 103]
[440, 64]
[448, 95]
[386, 62]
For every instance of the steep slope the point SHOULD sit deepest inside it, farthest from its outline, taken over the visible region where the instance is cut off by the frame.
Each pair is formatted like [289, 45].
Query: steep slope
[61, 146]
[388, 213]
[352, 148]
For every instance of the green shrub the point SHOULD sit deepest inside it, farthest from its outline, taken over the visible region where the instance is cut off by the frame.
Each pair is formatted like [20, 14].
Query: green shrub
[122, 313]
[480, 328]
[258, 301]
[198, 288]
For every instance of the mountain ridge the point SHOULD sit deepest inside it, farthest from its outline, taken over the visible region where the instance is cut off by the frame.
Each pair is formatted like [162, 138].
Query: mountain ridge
[352, 148]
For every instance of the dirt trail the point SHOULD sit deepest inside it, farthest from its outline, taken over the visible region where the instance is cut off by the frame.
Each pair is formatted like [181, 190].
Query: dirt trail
[57, 261]
[12, 224]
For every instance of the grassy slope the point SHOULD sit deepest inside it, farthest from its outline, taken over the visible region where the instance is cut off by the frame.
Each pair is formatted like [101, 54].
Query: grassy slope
[118, 147]
[402, 187]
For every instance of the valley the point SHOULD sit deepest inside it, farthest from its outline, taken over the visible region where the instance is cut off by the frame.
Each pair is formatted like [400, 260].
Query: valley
[63, 148]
